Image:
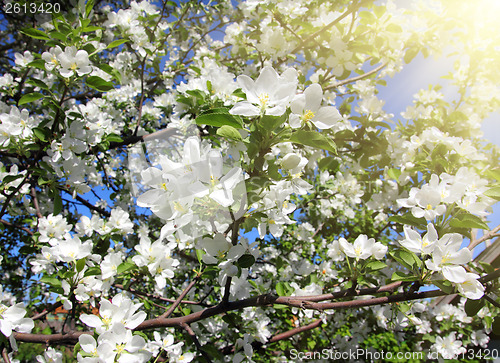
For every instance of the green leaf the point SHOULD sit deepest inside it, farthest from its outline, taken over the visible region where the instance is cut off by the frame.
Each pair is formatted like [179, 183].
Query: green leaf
[229, 132]
[404, 257]
[281, 289]
[58, 35]
[30, 97]
[57, 204]
[125, 266]
[38, 63]
[445, 286]
[99, 84]
[494, 173]
[116, 43]
[472, 307]
[35, 33]
[219, 119]
[468, 220]
[271, 122]
[10, 178]
[375, 266]
[92, 271]
[329, 163]
[199, 256]
[401, 276]
[37, 83]
[394, 173]
[80, 264]
[314, 139]
[493, 193]
[88, 7]
[404, 307]
[246, 261]
[410, 54]
[41, 133]
[409, 219]
[114, 138]
[50, 280]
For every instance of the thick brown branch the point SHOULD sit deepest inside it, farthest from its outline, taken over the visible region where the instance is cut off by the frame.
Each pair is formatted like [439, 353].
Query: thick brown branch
[69, 338]
[351, 293]
[263, 300]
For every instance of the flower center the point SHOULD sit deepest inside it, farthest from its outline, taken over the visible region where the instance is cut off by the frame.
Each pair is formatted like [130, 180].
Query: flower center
[308, 115]
[264, 99]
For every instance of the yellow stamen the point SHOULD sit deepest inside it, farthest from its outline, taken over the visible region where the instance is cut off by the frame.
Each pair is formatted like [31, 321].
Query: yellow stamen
[308, 115]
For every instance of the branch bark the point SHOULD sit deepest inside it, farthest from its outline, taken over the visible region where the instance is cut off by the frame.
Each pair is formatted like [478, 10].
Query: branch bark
[303, 302]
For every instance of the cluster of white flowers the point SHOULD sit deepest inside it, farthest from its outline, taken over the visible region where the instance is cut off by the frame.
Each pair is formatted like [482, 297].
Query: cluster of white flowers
[179, 190]
[114, 325]
[465, 188]
[157, 258]
[363, 248]
[17, 124]
[447, 258]
[69, 62]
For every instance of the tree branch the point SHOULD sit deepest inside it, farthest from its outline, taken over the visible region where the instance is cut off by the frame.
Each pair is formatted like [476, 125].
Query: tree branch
[35, 203]
[169, 312]
[47, 310]
[357, 78]
[4, 222]
[5, 355]
[152, 296]
[311, 37]
[488, 235]
[262, 301]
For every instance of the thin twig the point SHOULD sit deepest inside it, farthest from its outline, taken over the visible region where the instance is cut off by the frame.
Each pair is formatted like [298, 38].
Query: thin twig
[13, 194]
[5, 355]
[357, 78]
[153, 296]
[169, 312]
[491, 301]
[234, 241]
[48, 310]
[35, 203]
[4, 222]
[488, 235]
[311, 37]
